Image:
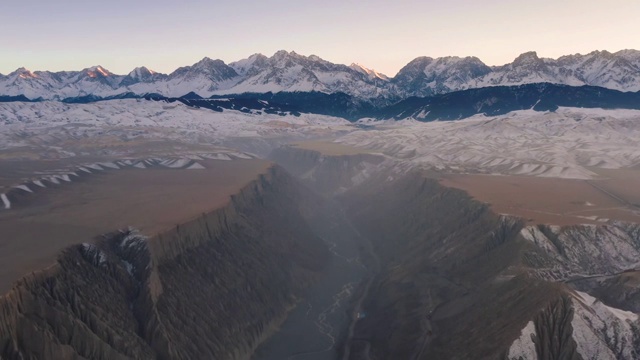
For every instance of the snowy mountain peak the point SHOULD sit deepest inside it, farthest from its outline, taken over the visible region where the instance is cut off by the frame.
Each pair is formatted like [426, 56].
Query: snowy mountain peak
[280, 54]
[207, 62]
[527, 58]
[97, 71]
[603, 53]
[290, 71]
[285, 53]
[202, 78]
[425, 76]
[214, 70]
[284, 58]
[372, 74]
[24, 73]
[630, 55]
[141, 72]
[250, 64]
[418, 62]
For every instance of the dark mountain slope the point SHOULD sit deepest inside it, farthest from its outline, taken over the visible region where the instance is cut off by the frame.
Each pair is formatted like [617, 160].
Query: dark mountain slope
[500, 100]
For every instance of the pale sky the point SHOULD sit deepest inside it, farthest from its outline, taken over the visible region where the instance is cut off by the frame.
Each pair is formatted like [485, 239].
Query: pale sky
[383, 35]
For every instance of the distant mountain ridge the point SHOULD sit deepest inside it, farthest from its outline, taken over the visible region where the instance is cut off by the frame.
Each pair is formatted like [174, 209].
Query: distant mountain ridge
[457, 105]
[500, 100]
[292, 72]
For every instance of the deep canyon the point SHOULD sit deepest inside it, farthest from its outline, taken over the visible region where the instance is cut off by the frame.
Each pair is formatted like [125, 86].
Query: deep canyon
[323, 254]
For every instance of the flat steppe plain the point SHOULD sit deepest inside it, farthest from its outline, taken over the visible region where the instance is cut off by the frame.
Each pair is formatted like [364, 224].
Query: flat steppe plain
[540, 200]
[330, 148]
[152, 200]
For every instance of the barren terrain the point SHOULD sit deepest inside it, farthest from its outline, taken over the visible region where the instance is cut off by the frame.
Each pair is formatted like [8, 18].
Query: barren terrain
[552, 200]
[151, 200]
[330, 148]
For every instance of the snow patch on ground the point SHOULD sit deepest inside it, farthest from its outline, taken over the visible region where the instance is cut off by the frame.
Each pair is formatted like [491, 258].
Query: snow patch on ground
[109, 165]
[128, 266]
[602, 332]
[240, 155]
[5, 201]
[142, 119]
[175, 163]
[23, 187]
[132, 238]
[595, 303]
[93, 254]
[95, 167]
[561, 144]
[585, 250]
[224, 157]
[195, 166]
[523, 348]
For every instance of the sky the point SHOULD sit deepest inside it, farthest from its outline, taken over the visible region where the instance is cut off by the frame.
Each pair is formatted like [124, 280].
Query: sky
[384, 35]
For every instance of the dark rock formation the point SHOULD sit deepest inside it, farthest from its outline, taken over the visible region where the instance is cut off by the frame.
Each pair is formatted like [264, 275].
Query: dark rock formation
[213, 287]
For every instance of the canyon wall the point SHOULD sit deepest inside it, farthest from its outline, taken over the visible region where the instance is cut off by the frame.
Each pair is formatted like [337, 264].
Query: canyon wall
[213, 287]
[458, 281]
[454, 280]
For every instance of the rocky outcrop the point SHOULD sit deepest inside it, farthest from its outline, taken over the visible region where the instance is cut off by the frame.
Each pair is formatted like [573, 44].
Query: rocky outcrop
[553, 338]
[213, 287]
[582, 251]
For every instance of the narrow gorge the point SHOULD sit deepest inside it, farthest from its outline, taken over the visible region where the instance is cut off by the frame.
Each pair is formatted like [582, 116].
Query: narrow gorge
[453, 279]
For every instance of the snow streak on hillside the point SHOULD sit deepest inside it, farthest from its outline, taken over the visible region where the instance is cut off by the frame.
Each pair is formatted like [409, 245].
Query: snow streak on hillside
[567, 143]
[48, 124]
[554, 144]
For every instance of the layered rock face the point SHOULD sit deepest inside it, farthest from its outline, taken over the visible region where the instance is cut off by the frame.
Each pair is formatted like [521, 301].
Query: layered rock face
[213, 287]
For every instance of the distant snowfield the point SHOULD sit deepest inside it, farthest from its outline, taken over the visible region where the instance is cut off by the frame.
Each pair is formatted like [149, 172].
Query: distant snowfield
[564, 144]
[22, 124]
[568, 143]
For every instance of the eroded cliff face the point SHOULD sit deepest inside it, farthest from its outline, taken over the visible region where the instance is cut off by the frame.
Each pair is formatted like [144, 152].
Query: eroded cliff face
[436, 295]
[213, 287]
[457, 281]
[581, 251]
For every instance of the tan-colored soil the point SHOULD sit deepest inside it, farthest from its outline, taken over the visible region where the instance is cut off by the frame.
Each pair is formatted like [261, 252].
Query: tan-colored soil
[622, 183]
[330, 148]
[151, 200]
[552, 200]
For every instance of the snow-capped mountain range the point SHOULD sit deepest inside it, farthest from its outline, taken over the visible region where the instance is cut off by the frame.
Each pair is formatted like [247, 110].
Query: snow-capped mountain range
[289, 71]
